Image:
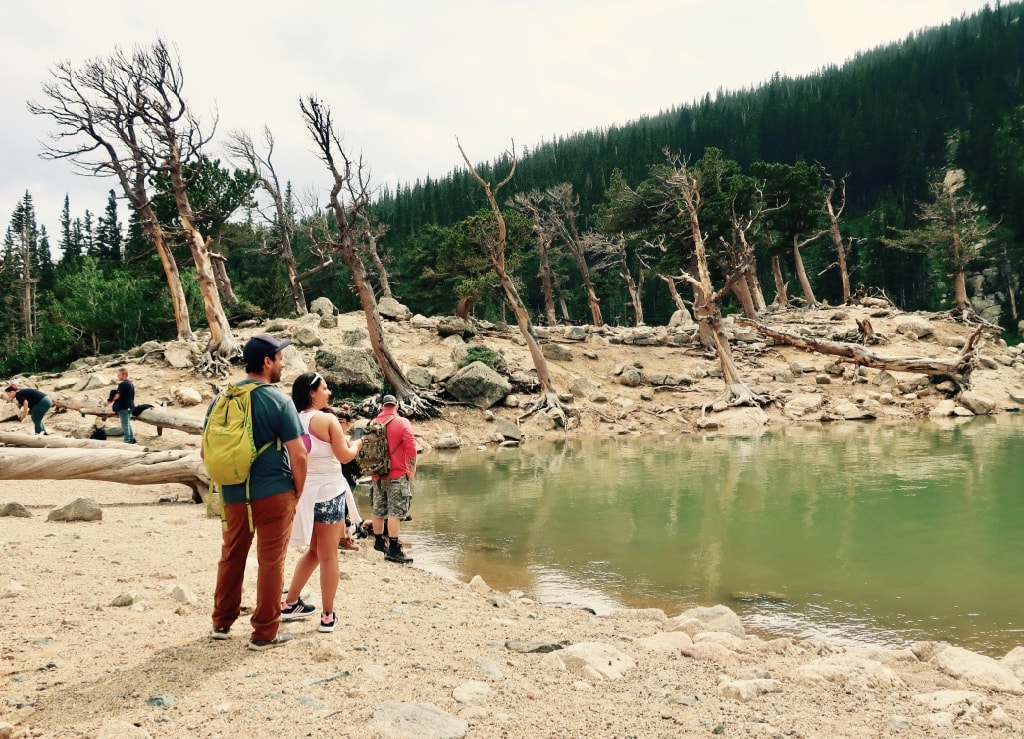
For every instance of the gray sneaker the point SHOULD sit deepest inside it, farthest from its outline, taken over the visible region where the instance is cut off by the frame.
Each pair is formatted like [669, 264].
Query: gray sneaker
[280, 640]
[221, 632]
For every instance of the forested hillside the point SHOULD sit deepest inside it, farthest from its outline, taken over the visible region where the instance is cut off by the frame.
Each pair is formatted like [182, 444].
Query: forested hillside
[921, 137]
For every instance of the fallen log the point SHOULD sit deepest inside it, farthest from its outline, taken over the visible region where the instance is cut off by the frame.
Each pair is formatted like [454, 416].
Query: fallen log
[109, 465]
[159, 417]
[38, 441]
[957, 370]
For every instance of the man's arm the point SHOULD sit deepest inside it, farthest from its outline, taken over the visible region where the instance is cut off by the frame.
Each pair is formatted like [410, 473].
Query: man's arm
[297, 462]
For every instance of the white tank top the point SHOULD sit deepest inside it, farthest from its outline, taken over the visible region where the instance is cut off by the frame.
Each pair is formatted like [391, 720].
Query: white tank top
[320, 459]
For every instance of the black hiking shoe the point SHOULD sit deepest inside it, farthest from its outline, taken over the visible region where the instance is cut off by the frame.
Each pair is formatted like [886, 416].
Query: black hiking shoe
[396, 554]
[379, 545]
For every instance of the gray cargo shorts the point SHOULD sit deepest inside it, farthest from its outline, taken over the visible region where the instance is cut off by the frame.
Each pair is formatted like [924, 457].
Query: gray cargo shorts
[391, 498]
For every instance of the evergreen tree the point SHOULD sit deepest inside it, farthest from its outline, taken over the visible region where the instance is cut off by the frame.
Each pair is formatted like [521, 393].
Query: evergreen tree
[70, 249]
[109, 233]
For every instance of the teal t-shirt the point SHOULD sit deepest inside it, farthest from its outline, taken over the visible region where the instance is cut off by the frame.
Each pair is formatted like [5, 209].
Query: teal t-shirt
[273, 417]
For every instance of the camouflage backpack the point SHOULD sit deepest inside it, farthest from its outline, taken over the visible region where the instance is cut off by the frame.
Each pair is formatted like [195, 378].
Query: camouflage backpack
[374, 457]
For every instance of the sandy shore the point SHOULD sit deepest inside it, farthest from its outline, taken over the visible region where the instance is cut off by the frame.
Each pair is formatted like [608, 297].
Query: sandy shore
[415, 655]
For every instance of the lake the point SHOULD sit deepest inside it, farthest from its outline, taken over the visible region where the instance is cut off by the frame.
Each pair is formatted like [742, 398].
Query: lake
[862, 532]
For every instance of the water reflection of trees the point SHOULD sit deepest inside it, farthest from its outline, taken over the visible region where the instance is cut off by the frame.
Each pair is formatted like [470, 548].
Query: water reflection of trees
[805, 512]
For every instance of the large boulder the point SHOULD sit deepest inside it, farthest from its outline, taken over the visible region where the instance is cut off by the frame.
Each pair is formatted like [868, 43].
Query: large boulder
[453, 325]
[392, 310]
[323, 307]
[350, 371]
[307, 336]
[479, 385]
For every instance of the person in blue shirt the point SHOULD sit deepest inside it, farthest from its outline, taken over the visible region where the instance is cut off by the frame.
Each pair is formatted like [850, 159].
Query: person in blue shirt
[122, 400]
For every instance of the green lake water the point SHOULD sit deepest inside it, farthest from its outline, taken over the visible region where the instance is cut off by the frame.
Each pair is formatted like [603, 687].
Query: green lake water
[859, 531]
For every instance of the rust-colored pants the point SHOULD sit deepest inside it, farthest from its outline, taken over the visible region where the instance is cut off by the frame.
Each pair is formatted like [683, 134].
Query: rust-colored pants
[272, 519]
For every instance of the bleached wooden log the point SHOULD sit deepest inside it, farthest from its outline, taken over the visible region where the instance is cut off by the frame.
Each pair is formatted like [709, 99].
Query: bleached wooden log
[37, 441]
[109, 465]
[159, 417]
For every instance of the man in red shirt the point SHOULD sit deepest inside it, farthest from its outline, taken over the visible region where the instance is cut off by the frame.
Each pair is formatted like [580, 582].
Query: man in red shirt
[392, 496]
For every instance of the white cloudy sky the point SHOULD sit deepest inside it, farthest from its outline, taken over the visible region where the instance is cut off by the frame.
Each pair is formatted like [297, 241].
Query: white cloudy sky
[405, 78]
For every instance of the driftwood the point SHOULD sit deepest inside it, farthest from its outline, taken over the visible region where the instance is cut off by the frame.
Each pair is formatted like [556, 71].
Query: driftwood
[109, 465]
[154, 416]
[38, 441]
[957, 370]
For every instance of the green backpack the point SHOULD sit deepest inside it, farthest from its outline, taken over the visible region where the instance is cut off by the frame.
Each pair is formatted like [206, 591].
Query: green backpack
[228, 446]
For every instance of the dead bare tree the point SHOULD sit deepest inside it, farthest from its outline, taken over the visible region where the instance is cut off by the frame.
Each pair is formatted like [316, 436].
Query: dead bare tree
[174, 136]
[242, 148]
[613, 251]
[369, 231]
[496, 252]
[686, 186]
[349, 195]
[529, 203]
[801, 272]
[834, 211]
[98, 131]
[560, 216]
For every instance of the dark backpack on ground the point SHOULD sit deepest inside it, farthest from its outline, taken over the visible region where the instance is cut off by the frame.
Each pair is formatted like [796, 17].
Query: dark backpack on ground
[374, 457]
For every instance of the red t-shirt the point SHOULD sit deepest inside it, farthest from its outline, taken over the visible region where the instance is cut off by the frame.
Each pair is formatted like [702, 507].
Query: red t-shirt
[401, 443]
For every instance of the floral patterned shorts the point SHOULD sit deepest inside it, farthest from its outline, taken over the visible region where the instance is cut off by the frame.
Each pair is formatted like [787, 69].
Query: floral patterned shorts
[330, 511]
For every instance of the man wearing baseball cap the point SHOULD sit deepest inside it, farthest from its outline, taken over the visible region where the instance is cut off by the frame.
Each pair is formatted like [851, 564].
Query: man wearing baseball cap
[391, 496]
[275, 483]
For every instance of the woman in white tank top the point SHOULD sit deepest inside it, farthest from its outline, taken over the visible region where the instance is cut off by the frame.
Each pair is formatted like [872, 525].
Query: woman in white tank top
[320, 514]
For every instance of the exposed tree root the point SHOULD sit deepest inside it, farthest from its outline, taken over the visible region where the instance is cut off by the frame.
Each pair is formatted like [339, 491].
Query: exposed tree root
[212, 365]
[414, 407]
[737, 394]
[546, 402]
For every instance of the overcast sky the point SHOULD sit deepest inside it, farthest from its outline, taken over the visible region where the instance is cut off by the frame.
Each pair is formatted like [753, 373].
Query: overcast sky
[405, 78]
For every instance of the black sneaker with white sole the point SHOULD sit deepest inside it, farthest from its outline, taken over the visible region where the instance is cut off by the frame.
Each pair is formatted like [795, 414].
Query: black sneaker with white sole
[327, 626]
[296, 610]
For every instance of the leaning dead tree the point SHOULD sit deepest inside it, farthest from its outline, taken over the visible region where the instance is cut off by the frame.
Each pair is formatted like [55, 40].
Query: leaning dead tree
[957, 370]
[127, 115]
[685, 185]
[108, 465]
[496, 252]
[96, 132]
[350, 195]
